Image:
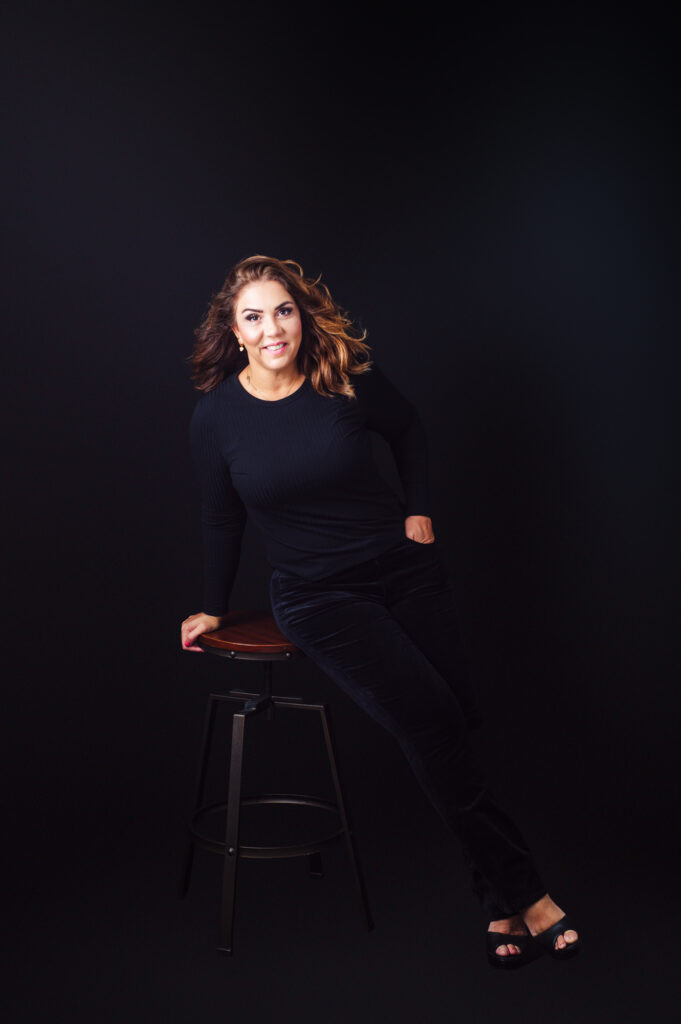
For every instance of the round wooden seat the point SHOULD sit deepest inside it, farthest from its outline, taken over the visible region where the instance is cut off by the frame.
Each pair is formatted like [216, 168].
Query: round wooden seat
[249, 635]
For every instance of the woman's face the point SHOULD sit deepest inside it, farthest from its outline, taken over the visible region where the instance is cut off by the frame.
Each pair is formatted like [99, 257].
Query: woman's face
[268, 324]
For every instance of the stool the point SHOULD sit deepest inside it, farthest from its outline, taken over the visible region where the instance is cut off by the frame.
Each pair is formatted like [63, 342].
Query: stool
[254, 636]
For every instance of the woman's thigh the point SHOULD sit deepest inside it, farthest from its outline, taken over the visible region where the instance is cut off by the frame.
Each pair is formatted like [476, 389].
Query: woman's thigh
[420, 596]
[347, 630]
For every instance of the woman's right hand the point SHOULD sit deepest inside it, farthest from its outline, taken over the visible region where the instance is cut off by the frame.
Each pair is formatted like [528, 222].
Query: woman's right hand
[197, 625]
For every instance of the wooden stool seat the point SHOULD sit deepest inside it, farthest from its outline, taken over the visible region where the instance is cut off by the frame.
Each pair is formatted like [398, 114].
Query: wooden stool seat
[249, 632]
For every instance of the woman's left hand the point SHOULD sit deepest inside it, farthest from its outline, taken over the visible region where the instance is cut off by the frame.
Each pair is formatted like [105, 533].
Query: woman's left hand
[420, 529]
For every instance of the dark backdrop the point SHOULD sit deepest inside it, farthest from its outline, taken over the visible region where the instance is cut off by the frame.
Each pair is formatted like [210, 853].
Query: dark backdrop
[494, 200]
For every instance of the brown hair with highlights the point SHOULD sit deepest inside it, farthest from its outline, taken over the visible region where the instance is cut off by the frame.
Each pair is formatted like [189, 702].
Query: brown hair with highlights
[330, 351]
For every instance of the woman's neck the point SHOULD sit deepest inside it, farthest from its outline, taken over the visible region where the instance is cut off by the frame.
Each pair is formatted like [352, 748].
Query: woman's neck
[271, 383]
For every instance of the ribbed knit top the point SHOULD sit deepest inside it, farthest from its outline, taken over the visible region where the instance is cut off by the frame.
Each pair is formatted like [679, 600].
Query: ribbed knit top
[302, 469]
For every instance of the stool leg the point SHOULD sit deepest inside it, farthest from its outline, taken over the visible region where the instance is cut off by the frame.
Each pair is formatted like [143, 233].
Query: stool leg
[267, 692]
[208, 723]
[316, 865]
[232, 833]
[349, 839]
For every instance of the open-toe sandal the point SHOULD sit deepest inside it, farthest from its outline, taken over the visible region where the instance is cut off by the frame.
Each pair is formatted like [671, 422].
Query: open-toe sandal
[511, 960]
[545, 941]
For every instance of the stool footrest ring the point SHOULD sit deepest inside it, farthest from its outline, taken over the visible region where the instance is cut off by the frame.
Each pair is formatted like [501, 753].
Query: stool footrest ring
[270, 851]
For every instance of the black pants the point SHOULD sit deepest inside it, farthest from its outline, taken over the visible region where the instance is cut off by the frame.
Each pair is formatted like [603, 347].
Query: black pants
[386, 631]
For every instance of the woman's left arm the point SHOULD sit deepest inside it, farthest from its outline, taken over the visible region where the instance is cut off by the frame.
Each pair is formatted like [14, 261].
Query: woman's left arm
[393, 416]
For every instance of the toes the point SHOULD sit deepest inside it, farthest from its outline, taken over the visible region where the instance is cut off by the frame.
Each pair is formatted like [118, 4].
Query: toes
[508, 949]
[566, 939]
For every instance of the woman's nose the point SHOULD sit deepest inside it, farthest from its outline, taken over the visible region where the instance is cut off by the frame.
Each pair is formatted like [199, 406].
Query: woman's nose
[271, 327]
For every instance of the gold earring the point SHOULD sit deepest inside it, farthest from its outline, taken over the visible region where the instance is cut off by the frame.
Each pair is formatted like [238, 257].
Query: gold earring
[241, 347]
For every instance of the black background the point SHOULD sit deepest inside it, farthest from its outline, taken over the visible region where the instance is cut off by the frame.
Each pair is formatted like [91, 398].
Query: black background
[494, 199]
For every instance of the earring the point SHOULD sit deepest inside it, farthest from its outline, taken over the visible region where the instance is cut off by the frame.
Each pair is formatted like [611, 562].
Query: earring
[241, 347]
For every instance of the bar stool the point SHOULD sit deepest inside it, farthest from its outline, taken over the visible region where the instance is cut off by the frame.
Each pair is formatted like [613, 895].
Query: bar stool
[254, 636]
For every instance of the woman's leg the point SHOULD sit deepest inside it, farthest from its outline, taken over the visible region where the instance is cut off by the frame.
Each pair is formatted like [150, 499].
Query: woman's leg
[420, 595]
[344, 626]
[421, 598]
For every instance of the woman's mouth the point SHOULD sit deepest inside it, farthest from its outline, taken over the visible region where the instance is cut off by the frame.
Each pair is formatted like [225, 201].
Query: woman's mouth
[276, 348]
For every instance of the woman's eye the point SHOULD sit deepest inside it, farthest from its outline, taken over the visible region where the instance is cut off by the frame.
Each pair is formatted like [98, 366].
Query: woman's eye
[252, 316]
[286, 310]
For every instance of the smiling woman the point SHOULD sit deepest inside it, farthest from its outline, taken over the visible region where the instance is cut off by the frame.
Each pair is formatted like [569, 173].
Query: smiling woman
[267, 325]
[280, 435]
[286, 323]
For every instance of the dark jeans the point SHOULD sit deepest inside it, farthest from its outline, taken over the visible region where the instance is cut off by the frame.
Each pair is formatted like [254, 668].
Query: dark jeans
[386, 632]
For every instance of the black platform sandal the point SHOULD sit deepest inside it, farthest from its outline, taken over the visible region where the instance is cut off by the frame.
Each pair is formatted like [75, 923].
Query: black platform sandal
[511, 960]
[545, 941]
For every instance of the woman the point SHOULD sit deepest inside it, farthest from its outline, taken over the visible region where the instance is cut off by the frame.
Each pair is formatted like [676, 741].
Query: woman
[280, 434]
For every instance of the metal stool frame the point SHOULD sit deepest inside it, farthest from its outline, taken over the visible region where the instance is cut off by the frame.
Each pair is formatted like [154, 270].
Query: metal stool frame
[254, 704]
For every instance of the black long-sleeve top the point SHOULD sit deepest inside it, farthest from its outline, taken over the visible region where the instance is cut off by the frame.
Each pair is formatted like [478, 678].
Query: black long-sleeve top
[302, 468]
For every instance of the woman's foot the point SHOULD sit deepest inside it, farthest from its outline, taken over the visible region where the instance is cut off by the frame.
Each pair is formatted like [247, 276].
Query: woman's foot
[508, 926]
[541, 915]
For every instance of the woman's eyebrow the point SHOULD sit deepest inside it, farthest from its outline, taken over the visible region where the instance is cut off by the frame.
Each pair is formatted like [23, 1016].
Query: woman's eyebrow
[249, 309]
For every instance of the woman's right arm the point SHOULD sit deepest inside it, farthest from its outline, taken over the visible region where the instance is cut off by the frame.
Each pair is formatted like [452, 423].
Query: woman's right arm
[223, 518]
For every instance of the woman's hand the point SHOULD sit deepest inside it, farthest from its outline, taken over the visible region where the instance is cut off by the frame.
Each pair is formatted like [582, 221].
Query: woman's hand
[197, 625]
[420, 529]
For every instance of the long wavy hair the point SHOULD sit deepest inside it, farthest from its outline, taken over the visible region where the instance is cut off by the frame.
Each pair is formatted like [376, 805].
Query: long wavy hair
[331, 349]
